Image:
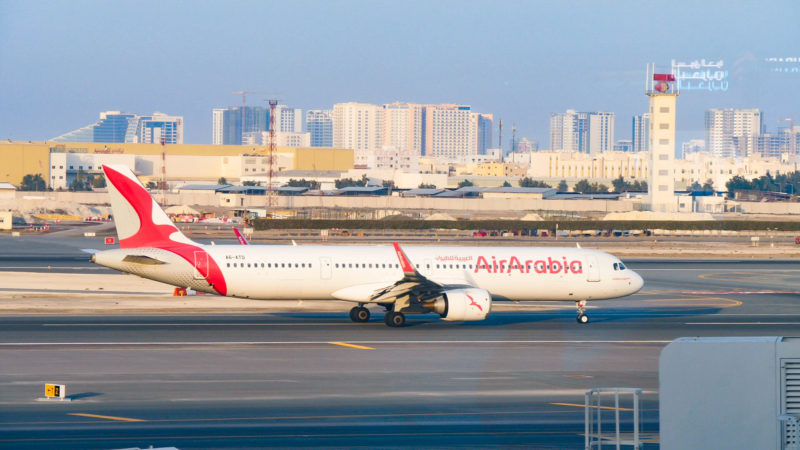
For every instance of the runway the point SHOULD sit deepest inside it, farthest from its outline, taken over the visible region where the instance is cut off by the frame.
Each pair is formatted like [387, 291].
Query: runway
[316, 379]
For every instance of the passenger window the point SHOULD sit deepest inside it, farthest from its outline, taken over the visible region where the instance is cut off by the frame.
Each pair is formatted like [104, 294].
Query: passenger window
[229, 264]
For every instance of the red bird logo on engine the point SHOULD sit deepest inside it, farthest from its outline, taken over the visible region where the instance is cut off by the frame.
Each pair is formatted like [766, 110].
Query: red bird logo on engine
[473, 303]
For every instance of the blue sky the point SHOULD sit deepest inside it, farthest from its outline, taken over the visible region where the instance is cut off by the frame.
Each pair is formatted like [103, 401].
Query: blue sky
[63, 62]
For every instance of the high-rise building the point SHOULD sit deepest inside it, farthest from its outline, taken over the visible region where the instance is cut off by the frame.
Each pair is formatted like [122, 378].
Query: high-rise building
[228, 129]
[450, 132]
[357, 126]
[623, 145]
[288, 120]
[217, 115]
[119, 127]
[404, 127]
[160, 128]
[600, 132]
[319, 124]
[584, 132]
[640, 133]
[692, 146]
[485, 124]
[733, 132]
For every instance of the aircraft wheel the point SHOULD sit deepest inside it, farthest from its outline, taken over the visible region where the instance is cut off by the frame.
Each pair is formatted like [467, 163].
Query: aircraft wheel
[394, 319]
[353, 312]
[360, 314]
[582, 318]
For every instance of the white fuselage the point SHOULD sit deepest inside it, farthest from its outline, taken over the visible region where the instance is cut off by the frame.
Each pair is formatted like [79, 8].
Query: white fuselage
[353, 272]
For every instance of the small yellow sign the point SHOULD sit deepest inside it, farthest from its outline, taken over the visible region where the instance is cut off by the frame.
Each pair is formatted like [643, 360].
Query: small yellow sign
[54, 390]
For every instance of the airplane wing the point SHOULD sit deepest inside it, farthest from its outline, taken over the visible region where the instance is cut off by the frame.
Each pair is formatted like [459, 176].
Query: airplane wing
[413, 283]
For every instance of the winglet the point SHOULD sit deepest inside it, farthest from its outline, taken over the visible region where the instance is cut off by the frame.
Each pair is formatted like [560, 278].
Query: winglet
[405, 263]
[239, 236]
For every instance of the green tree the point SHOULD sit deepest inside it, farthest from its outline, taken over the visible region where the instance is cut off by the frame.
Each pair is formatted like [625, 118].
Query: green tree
[530, 182]
[311, 184]
[562, 186]
[620, 185]
[348, 182]
[465, 183]
[98, 182]
[251, 183]
[152, 185]
[639, 186]
[737, 183]
[33, 183]
[582, 187]
[82, 182]
[506, 184]
[222, 180]
[426, 186]
[599, 187]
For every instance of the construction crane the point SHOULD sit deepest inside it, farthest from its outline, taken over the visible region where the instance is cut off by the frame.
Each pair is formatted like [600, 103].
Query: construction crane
[244, 103]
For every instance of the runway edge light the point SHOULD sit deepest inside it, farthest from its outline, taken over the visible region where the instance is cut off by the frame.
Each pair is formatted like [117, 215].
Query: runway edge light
[55, 391]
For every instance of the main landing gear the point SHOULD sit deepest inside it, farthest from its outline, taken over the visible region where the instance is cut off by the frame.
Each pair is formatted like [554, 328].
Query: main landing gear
[394, 319]
[582, 317]
[359, 314]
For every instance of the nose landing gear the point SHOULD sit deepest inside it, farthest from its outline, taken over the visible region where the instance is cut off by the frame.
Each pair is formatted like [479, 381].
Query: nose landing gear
[582, 317]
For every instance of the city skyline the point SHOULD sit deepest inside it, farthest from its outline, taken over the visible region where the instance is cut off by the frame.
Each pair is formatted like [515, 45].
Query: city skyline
[519, 61]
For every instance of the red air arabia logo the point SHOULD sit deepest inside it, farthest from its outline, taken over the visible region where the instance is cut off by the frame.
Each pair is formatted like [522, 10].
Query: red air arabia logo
[542, 266]
[473, 303]
[158, 236]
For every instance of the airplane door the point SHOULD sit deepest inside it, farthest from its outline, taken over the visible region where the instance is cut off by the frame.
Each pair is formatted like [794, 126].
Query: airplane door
[325, 268]
[592, 269]
[200, 265]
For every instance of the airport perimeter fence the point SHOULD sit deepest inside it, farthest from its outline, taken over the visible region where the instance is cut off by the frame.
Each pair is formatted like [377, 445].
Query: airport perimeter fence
[517, 227]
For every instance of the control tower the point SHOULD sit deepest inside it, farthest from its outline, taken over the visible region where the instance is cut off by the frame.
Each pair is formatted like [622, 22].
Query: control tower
[663, 90]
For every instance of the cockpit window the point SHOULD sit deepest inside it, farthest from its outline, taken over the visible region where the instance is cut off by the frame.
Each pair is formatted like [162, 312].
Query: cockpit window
[621, 266]
[616, 266]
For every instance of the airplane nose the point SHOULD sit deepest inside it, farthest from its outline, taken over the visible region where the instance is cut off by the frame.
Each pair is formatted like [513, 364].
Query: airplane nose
[636, 283]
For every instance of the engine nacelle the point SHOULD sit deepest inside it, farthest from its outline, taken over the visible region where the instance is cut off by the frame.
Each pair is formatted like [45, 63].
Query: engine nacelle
[463, 304]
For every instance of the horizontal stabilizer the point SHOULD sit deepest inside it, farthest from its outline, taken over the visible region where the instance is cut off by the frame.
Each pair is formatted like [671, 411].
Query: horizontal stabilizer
[141, 259]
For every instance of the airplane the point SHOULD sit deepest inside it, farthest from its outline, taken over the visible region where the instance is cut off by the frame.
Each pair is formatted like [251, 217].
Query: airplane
[457, 283]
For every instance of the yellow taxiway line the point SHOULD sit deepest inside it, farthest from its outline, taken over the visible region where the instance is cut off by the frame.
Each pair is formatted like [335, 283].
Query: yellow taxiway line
[345, 344]
[98, 416]
[593, 407]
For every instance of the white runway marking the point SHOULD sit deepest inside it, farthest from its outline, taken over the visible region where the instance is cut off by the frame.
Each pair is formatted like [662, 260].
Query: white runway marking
[742, 323]
[326, 343]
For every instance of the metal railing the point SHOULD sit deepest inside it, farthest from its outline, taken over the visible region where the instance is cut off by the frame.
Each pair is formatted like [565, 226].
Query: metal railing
[594, 437]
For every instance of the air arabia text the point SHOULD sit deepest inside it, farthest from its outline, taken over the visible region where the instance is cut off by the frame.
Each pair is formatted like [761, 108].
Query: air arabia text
[550, 265]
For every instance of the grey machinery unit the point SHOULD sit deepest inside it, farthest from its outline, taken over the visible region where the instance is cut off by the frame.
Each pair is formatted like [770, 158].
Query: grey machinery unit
[730, 392]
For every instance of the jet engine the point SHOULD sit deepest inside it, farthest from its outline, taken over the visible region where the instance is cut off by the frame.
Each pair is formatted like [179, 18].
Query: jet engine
[462, 304]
